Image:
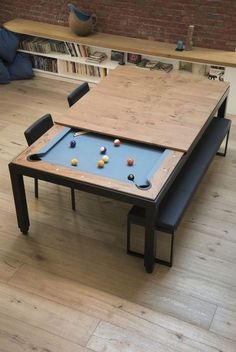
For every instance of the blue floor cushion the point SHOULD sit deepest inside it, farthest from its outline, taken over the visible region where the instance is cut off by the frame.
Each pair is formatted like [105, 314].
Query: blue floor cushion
[9, 43]
[4, 74]
[21, 68]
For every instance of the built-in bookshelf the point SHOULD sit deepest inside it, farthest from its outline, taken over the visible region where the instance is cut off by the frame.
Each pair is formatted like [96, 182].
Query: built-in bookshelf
[67, 59]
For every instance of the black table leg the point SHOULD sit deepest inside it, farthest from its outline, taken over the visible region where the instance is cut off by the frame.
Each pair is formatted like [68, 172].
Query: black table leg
[222, 109]
[18, 189]
[150, 239]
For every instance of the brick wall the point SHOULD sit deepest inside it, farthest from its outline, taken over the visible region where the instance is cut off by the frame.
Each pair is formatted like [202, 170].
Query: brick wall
[162, 20]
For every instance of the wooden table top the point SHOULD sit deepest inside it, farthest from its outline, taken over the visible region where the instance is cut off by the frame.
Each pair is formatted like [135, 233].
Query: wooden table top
[154, 107]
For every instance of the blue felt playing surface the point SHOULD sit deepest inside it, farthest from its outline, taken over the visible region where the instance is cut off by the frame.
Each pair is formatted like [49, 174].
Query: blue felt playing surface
[147, 159]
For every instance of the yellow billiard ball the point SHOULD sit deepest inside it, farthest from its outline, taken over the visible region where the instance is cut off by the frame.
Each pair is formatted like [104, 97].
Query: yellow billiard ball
[74, 162]
[105, 158]
[101, 163]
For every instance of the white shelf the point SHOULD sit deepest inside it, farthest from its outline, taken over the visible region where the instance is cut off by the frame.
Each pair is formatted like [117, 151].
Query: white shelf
[76, 77]
[81, 60]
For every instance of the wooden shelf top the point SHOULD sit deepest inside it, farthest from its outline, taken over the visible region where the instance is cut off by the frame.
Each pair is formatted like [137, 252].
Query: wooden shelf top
[127, 44]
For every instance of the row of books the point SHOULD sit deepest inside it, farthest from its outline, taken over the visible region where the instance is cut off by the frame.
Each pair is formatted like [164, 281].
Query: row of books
[45, 63]
[47, 46]
[69, 67]
[77, 50]
[44, 46]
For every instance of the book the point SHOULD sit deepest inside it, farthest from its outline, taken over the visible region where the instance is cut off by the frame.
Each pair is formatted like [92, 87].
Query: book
[163, 66]
[96, 57]
[151, 64]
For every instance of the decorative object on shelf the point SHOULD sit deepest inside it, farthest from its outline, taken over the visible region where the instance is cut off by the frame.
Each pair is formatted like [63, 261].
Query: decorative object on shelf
[143, 63]
[81, 23]
[189, 39]
[180, 45]
[134, 58]
[216, 73]
[118, 56]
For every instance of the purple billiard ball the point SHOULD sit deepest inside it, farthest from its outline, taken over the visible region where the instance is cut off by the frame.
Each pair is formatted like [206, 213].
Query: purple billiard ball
[72, 144]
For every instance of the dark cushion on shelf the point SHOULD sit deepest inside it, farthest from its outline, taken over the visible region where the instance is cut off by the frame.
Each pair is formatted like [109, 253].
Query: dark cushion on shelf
[21, 68]
[4, 74]
[9, 43]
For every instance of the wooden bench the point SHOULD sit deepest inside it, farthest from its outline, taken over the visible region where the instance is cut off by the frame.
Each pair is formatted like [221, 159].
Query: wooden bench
[180, 193]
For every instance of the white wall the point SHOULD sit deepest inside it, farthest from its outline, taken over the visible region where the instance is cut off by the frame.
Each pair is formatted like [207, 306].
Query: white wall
[230, 76]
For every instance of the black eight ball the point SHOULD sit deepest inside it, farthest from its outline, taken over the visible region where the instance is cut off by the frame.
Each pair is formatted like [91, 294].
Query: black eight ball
[131, 177]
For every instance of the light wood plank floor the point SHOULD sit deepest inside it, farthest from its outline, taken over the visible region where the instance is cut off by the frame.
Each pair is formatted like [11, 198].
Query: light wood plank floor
[69, 285]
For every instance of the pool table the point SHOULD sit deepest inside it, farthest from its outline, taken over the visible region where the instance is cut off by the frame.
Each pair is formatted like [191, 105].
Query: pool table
[159, 119]
[127, 162]
[49, 159]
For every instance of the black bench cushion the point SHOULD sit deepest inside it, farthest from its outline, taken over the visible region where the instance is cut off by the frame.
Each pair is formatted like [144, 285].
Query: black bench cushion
[176, 200]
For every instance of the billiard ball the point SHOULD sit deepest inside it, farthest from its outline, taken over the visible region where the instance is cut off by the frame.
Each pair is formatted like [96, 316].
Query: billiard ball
[72, 144]
[130, 162]
[103, 150]
[116, 142]
[105, 158]
[101, 164]
[131, 177]
[74, 162]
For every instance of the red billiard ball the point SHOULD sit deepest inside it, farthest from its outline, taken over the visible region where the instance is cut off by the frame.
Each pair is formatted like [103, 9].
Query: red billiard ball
[130, 162]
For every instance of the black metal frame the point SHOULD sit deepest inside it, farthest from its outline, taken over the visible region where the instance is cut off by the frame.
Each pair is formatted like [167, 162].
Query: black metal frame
[226, 145]
[17, 172]
[140, 255]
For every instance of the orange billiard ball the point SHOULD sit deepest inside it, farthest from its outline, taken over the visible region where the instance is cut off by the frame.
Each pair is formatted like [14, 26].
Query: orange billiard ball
[130, 162]
[101, 163]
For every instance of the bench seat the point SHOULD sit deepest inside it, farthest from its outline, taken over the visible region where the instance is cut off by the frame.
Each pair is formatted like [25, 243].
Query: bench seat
[175, 202]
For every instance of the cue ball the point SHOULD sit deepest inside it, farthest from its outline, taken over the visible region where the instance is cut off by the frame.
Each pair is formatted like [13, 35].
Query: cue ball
[103, 150]
[116, 142]
[131, 177]
[74, 162]
[130, 162]
[72, 144]
[101, 163]
[105, 158]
